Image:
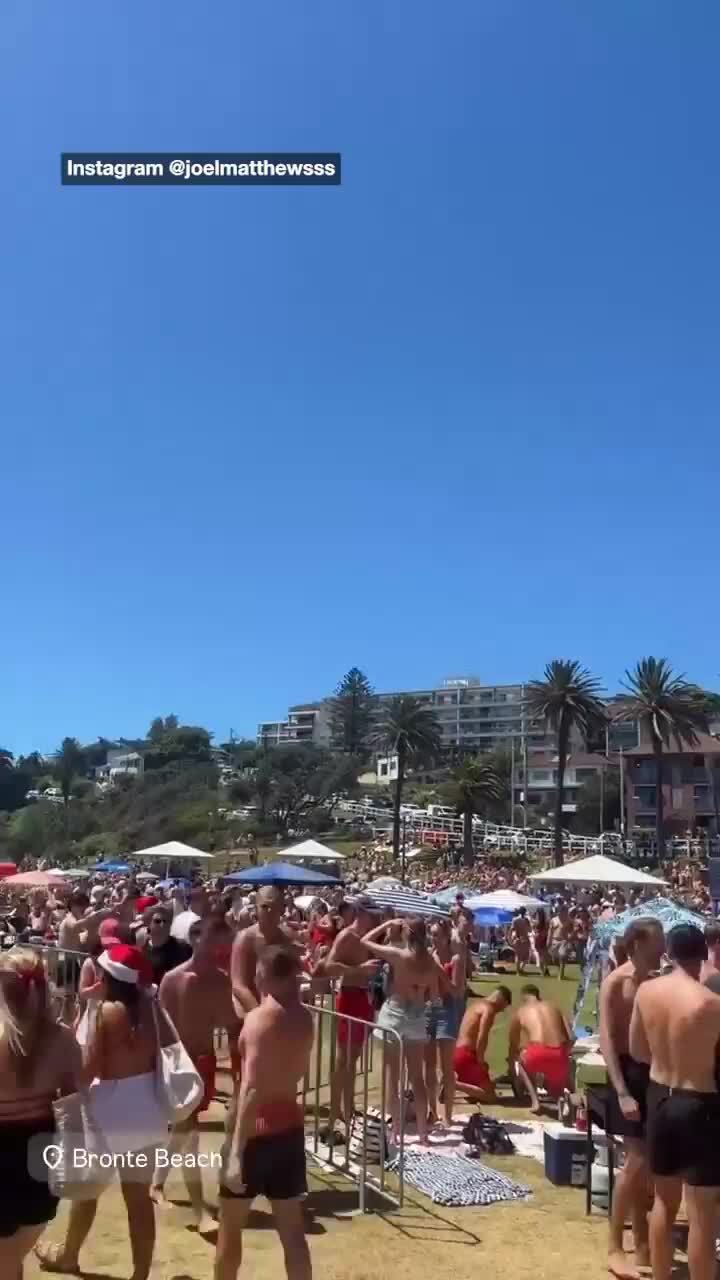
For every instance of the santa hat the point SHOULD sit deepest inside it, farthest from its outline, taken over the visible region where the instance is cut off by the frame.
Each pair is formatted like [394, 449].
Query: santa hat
[127, 964]
[142, 904]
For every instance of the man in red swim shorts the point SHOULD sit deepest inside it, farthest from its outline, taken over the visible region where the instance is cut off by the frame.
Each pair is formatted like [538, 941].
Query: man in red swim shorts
[347, 960]
[546, 1049]
[471, 1069]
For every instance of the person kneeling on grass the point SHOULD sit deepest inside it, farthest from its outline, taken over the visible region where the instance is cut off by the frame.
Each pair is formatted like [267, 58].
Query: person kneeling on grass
[471, 1069]
[546, 1053]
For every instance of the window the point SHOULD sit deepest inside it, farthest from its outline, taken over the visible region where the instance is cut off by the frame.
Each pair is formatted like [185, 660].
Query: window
[383, 769]
[583, 775]
[701, 793]
[646, 797]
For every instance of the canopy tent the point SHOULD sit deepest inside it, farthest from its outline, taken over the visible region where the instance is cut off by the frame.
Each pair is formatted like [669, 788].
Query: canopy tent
[667, 912]
[113, 868]
[312, 851]
[172, 851]
[147, 875]
[598, 869]
[502, 900]
[406, 902]
[280, 873]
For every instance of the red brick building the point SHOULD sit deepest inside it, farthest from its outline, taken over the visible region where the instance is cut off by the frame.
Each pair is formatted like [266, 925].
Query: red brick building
[691, 787]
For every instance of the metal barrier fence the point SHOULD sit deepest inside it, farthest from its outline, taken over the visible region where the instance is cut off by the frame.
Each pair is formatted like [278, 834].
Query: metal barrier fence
[63, 973]
[328, 1023]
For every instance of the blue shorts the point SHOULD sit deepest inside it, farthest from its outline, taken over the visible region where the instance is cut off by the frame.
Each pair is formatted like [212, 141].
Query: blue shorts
[442, 1018]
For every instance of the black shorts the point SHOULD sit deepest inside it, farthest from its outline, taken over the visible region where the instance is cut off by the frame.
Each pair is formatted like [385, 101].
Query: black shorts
[25, 1201]
[637, 1079]
[274, 1167]
[684, 1135]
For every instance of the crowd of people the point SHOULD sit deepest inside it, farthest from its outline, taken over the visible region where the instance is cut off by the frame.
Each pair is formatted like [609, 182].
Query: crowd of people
[203, 959]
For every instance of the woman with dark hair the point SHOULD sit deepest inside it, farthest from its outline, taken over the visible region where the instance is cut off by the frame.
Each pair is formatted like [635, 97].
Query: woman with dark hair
[38, 1060]
[119, 1064]
[416, 977]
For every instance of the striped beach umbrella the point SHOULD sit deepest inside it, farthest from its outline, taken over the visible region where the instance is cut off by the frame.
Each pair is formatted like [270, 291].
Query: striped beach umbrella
[404, 902]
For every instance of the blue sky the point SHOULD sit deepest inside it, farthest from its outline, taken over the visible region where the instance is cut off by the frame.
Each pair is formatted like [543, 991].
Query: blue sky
[459, 414]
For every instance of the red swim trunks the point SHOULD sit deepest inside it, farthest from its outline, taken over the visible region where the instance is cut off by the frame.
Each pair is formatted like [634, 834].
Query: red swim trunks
[469, 1071]
[355, 1002]
[550, 1061]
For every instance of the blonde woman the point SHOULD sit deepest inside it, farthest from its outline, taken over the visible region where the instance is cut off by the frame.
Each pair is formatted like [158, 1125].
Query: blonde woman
[39, 1059]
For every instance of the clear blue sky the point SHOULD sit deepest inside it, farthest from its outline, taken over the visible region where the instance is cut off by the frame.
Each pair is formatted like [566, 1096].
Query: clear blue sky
[459, 414]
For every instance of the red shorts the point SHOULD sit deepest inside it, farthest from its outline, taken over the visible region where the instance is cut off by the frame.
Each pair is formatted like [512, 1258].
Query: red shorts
[550, 1061]
[206, 1065]
[355, 1002]
[469, 1071]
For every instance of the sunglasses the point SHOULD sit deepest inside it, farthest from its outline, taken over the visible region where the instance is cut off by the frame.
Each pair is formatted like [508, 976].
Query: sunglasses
[158, 920]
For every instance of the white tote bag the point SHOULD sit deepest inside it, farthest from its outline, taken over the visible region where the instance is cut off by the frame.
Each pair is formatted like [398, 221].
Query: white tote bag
[79, 1172]
[179, 1082]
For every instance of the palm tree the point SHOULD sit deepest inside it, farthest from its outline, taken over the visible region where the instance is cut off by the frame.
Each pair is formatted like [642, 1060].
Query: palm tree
[409, 730]
[474, 786]
[567, 698]
[669, 708]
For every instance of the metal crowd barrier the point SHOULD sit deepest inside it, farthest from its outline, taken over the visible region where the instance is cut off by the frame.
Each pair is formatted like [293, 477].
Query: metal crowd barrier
[63, 972]
[357, 1170]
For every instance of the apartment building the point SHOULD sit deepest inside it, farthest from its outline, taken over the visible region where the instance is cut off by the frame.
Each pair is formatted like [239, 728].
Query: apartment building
[305, 722]
[691, 786]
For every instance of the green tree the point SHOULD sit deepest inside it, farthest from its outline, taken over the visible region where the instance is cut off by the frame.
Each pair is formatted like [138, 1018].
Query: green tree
[408, 729]
[15, 782]
[474, 787]
[351, 711]
[567, 698]
[69, 761]
[669, 709]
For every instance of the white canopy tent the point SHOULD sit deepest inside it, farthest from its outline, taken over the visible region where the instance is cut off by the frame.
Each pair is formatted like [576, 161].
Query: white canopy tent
[598, 869]
[312, 851]
[172, 851]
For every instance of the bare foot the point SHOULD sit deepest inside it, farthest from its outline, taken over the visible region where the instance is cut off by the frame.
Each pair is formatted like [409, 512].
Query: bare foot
[50, 1257]
[207, 1225]
[619, 1267]
[536, 1109]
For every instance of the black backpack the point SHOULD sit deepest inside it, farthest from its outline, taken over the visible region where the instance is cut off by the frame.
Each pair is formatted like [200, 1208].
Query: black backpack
[488, 1137]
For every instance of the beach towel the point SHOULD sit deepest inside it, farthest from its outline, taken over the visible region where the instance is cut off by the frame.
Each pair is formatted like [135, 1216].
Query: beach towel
[455, 1180]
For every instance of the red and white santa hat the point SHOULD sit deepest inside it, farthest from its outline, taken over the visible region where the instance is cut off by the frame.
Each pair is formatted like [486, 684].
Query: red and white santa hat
[126, 963]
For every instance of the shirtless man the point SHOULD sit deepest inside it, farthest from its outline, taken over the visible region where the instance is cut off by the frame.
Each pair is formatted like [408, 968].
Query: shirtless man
[197, 997]
[264, 1154]
[471, 1069]
[520, 940]
[250, 944]
[676, 1029]
[78, 928]
[347, 960]
[644, 944]
[561, 937]
[546, 1051]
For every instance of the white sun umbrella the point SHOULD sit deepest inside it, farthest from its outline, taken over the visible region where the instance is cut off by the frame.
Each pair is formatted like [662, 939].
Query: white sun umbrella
[147, 875]
[502, 900]
[406, 902]
[312, 851]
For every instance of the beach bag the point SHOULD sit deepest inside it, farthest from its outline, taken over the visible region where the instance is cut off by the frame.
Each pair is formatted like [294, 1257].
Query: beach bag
[487, 1137]
[78, 1146]
[375, 1132]
[179, 1082]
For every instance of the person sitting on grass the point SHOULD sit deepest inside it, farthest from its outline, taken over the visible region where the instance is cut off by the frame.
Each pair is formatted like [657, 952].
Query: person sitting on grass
[545, 1055]
[471, 1069]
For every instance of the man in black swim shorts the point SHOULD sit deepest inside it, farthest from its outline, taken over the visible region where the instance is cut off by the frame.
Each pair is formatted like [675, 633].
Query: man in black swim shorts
[676, 1029]
[644, 943]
